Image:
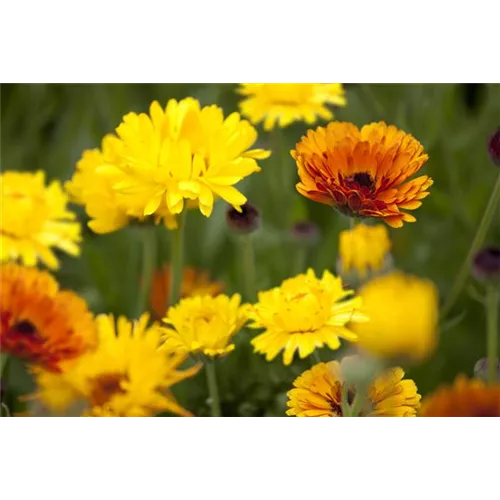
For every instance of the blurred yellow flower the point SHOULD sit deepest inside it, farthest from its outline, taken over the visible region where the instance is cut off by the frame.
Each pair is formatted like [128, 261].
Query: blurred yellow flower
[126, 376]
[403, 312]
[280, 104]
[465, 398]
[303, 314]
[205, 325]
[194, 282]
[182, 152]
[318, 393]
[364, 249]
[34, 219]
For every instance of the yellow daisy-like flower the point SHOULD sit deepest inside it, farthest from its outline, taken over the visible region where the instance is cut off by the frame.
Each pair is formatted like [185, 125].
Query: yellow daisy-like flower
[318, 393]
[126, 376]
[465, 398]
[41, 323]
[280, 104]
[156, 161]
[303, 314]
[34, 219]
[403, 312]
[205, 325]
[364, 249]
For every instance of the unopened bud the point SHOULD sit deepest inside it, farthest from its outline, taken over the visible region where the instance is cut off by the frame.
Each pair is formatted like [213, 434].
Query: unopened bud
[494, 147]
[486, 264]
[245, 222]
[305, 232]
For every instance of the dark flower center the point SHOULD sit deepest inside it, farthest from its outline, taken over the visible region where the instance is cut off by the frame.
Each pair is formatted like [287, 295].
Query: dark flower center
[105, 387]
[25, 328]
[363, 179]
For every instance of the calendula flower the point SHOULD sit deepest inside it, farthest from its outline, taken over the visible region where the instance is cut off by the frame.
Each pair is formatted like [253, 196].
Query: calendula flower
[318, 393]
[465, 398]
[194, 282]
[41, 323]
[363, 173]
[205, 325]
[280, 104]
[35, 220]
[403, 312]
[364, 249]
[126, 376]
[303, 314]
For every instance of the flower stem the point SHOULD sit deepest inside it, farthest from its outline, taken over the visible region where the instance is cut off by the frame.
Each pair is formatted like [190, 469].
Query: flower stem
[300, 259]
[492, 302]
[213, 390]
[249, 267]
[476, 244]
[176, 259]
[316, 358]
[148, 269]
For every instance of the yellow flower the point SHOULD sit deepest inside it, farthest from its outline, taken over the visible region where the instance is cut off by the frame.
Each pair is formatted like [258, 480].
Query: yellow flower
[303, 314]
[126, 376]
[318, 393]
[284, 103]
[364, 249]
[157, 161]
[34, 219]
[194, 282]
[403, 312]
[465, 398]
[205, 325]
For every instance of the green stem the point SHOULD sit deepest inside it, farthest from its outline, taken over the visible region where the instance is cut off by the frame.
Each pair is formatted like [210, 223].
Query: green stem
[4, 359]
[492, 302]
[176, 260]
[300, 259]
[148, 268]
[249, 267]
[476, 244]
[213, 390]
[316, 358]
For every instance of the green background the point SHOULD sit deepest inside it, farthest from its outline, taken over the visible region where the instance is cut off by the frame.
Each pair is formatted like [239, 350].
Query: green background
[48, 126]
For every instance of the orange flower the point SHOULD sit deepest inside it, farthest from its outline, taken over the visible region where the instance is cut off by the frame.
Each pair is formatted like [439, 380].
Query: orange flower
[194, 282]
[465, 398]
[40, 322]
[362, 173]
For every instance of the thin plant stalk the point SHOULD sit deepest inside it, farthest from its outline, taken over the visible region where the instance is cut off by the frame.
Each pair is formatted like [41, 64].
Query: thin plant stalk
[213, 389]
[316, 358]
[492, 303]
[147, 269]
[477, 242]
[177, 261]
[249, 267]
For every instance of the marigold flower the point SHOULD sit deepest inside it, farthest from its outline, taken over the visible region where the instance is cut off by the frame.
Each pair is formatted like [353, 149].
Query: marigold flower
[35, 219]
[194, 282]
[403, 312]
[318, 393]
[303, 314]
[126, 376]
[280, 104]
[465, 398]
[364, 249]
[362, 173]
[39, 322]
[205, 325]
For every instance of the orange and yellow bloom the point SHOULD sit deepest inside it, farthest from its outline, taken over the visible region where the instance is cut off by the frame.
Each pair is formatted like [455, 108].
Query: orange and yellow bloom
[363, 172]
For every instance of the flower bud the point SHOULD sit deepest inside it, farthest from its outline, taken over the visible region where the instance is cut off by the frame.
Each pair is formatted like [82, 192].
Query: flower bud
[486, 264]
[305, 232]
[245, 222]
[494, 147]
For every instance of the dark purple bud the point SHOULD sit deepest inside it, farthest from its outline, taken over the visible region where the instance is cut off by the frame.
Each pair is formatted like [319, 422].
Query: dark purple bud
[494, 147]
[486, 264]
[306, 232]
[245, 222]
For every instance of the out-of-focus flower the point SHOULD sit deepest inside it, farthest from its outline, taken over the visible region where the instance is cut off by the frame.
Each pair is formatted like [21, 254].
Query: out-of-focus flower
[126, 376]
[304, 313]
[35, 219]
[364, 249]
[182, 152]
[280, 104]
[481, 369]
[318, 393]
[243, 221]
[41, 323]
[403, 312]
[494, 147]
[194, 282]
[205, 325]
[305, 233]
[465, 398]
[486, 264]
[363, 173]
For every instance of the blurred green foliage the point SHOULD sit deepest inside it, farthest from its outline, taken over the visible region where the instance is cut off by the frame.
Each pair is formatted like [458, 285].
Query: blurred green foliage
[48, 126]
